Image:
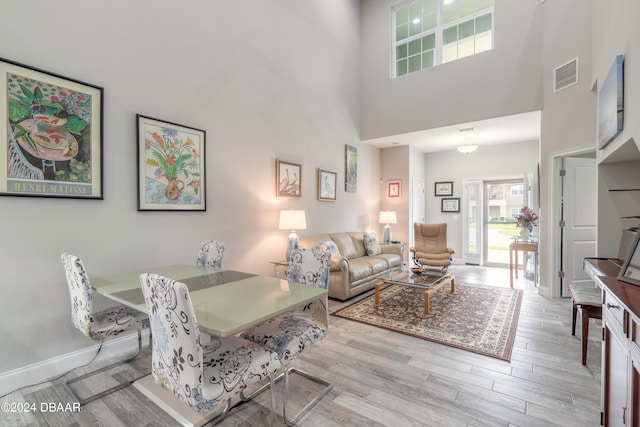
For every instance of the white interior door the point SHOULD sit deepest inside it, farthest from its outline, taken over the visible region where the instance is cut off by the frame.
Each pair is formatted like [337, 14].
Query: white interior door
[579, 215]
[473, 220]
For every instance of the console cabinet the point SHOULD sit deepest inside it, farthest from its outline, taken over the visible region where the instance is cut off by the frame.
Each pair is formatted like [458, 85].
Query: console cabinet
[620, 352]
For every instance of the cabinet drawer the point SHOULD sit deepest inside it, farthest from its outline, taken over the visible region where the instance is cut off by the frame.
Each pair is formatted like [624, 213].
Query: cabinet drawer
[614, 310]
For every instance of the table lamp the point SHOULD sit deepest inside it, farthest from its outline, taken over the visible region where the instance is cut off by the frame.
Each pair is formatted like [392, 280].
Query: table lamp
[292, 220]
[387, 217]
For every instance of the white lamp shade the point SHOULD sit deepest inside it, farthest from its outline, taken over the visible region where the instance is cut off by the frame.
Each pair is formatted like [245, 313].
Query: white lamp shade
[388, 217]
[292, 220]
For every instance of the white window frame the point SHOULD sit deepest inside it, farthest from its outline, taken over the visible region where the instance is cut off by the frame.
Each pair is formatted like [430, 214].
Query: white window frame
[437, 31]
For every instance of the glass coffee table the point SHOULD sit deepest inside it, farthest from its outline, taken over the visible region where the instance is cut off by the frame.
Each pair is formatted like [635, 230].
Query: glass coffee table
[428, 280]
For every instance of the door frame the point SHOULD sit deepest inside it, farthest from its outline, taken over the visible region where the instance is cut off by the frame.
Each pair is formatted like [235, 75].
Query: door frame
[555, 250]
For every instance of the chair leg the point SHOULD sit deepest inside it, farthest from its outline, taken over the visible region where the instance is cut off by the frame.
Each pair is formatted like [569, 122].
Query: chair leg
[574, 315]
[314, 402]
[221, 416]
[585, 333]
[89, 399]
[271, 384]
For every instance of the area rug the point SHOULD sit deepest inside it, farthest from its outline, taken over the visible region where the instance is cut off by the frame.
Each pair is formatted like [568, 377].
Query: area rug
[476, 318]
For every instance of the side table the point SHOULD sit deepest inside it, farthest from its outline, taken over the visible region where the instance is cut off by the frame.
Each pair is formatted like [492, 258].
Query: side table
[280, 268]
[524, 245]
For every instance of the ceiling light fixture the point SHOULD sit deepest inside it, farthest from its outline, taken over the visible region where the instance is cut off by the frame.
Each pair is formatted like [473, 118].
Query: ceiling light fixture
[467, 148]
[447, 2]
[416, 20]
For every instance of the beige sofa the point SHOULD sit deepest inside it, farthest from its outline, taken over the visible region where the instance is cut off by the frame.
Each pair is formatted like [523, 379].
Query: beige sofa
[353, 271]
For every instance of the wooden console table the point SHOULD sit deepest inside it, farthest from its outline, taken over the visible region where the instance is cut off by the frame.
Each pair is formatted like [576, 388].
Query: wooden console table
[525, 245]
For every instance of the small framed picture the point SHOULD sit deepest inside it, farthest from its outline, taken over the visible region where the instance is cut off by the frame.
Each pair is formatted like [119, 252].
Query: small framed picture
[327, 181]
[444, 188]
[288, 179]
[451, 204]
[394, 189]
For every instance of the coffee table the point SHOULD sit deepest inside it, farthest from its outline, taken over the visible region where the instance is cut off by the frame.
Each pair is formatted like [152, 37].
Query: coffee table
[430, 281]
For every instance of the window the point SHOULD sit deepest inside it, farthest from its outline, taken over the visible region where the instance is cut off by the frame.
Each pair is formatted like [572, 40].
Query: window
[517, 190]
[431, 32]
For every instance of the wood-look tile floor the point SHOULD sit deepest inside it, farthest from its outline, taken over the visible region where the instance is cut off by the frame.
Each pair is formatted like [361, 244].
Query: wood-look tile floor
[383, 378]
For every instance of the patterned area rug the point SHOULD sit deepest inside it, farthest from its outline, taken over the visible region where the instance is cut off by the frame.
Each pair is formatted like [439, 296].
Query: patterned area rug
[481, 319]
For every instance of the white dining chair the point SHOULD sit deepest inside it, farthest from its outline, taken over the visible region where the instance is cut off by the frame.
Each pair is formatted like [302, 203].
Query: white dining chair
[203, 376]
[98, 325]
[211, 252]
[292, 332]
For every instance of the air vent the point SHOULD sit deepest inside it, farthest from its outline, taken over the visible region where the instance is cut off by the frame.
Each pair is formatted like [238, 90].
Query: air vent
[565, 75]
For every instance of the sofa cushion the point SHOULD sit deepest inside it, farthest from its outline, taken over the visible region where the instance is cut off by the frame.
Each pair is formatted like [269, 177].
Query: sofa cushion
[345, 245]
[358, 243]
[393, 260]
[371, 244]
[378, 264]
[359, 268]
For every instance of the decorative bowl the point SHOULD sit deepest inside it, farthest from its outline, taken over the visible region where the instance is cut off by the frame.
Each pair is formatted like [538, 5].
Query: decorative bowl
[416, 270]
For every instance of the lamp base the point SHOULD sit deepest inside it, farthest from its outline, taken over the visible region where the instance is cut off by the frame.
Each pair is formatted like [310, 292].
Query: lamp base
[292, 244]
[386, 236]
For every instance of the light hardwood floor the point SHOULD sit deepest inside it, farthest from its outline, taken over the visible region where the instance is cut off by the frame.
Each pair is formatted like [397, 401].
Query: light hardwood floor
[382, 378]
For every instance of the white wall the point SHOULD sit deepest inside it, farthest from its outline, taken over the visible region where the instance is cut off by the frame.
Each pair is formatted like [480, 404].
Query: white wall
[501, 82]
[266, 80]
[616, 170]
[492, 162]
[568, 117]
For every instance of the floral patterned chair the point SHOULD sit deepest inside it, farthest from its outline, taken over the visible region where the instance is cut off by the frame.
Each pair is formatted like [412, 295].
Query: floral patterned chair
[98, 325]
[211, 252]
[200, 375]
[291, 333]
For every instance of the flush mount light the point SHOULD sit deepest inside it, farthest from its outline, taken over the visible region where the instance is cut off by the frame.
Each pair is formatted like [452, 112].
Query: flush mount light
[447, 2]
[467, 148]
[416, 20]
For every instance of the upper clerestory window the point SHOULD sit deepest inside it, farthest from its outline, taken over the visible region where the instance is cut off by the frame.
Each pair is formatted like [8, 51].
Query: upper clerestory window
[432, 32]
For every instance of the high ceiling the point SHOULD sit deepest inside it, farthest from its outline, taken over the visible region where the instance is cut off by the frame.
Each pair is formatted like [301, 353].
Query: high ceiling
[501, 130]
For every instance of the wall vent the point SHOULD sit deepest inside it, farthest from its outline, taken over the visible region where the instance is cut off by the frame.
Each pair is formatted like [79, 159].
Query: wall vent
[565, 75]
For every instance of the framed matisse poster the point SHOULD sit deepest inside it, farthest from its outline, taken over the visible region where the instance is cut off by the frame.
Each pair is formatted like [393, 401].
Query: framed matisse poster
[171, 166]
[51, 134]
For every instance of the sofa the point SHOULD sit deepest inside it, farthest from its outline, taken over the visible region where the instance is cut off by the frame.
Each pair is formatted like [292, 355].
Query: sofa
[357, 261]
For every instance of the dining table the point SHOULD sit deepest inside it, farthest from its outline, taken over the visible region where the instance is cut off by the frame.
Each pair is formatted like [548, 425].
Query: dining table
[225, 302]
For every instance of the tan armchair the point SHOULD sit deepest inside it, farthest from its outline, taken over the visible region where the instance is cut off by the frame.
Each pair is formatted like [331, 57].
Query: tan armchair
[430, 248]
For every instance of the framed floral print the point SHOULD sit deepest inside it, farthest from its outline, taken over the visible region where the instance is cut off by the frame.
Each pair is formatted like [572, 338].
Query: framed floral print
[327, 181]
[288, 179]
[171, 166]
[51, 127]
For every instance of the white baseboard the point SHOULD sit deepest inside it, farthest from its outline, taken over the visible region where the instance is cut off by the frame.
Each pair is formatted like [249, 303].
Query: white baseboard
[52, 368]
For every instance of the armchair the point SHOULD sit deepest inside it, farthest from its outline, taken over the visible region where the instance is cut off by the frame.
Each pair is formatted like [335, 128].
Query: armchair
[430, 248]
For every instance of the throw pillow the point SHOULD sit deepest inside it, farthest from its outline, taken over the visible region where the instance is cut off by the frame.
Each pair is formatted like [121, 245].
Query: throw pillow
[371, 244]
[330, 246]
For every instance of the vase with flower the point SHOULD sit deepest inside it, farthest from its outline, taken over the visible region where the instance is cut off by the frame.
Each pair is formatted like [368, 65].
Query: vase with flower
[526, 221]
